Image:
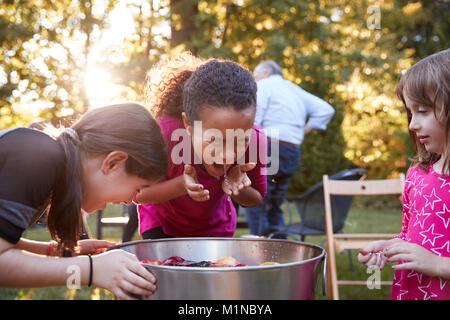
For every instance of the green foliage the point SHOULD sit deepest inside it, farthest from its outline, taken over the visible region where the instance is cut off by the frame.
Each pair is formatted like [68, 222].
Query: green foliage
[334, 49]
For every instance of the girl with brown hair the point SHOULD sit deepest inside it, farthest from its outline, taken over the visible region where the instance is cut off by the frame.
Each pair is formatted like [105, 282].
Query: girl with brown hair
[107, 156]
[422, 249]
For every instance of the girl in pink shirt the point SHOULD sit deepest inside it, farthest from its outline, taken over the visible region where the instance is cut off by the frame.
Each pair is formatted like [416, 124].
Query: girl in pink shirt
[206, 111]
[422, 249]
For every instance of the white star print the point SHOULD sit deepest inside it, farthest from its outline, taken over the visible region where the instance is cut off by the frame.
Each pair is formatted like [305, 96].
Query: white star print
[446, 245]
[398, 283]
[405, 205]
[426, 296]
[402, 292]
[445, 212]
[423, 216]
[442, 283]
[444, 182]
[433, 236]
[413, 177]
[419, 186]
[413, 273]
[434, 196]
[426, 207]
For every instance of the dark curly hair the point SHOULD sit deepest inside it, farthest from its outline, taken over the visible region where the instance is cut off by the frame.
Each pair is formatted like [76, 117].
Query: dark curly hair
[185, 83]
[164, 82]
[218, 83]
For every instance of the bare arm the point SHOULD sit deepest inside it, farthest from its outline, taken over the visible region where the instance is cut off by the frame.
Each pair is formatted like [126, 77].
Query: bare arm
[38, 247]
[21, 269]
[443, 269]
[238, 186]
[248, 197]
[163, 191]
[307, 129]
[416, 257]
[117, 271]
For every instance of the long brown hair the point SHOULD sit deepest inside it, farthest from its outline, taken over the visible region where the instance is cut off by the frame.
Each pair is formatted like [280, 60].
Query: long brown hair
[126, 127]
[428, 83]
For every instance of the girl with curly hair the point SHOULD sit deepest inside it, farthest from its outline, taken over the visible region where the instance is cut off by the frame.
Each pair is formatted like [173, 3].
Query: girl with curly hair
[210, 105]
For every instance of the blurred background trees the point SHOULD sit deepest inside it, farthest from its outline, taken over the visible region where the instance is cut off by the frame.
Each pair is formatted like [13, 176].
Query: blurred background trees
[60, 58]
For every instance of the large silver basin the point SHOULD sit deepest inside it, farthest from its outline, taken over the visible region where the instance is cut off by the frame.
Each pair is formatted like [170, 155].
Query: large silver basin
[294, 278]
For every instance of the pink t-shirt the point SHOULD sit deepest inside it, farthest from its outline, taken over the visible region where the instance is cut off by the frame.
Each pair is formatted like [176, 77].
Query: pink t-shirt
[426, 219]
[185, 217]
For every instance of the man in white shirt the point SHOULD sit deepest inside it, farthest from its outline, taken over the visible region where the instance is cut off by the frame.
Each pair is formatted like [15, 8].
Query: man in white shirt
[286, 112]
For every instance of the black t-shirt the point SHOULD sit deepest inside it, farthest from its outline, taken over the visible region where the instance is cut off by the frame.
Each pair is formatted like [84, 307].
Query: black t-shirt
[31, 163]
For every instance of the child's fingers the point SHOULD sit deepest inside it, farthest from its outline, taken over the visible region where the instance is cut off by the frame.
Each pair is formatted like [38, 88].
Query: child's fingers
[363, 258]
[247, 182]
[227, 190]
[399, 257]
[403, 266]
[247, 166]
[379, 256]
[364, 252]
[200, 196]
[383, 263]
[195, 187]
[372, 260]
[394, 249]
[199, 193]
[373, 246]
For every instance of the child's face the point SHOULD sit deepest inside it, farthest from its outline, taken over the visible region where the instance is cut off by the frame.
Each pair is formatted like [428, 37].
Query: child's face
[224, 137]
[105, 180]
[429, 131]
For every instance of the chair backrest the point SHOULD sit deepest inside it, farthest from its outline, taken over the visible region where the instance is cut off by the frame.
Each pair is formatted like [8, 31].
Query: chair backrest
[335, 189]
[311, 207]
[344, 189]
[366, 187]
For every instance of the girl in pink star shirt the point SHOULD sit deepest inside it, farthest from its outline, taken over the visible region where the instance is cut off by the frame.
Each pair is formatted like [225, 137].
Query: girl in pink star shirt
[422, 249]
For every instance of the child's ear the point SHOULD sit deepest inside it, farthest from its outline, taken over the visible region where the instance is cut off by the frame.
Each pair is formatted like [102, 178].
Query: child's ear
[113, 161]
[186, 124]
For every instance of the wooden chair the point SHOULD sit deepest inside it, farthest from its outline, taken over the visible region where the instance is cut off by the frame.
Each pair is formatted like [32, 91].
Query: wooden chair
[120, 221]
[310, 208]
[341, 242]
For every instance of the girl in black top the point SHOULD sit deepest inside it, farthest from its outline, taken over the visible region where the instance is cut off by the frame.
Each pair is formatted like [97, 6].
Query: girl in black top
[109, 155]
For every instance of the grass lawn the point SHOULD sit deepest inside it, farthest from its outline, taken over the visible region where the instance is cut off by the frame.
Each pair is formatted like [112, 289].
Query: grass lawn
[362, 220]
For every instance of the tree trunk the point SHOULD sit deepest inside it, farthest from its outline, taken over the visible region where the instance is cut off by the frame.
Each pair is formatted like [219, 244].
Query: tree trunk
[182, 24]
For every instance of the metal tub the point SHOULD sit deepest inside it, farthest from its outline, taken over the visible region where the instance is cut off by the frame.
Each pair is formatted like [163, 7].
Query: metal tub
[294, 278]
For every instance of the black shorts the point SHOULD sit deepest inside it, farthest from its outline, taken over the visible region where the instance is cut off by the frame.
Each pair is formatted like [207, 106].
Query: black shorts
[155, 233]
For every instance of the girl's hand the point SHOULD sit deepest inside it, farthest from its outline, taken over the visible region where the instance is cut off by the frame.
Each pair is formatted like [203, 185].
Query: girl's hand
[193, 188]
[121, 273]
[237, 179]
[89, 246]
[415, 258]
[372, 254]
